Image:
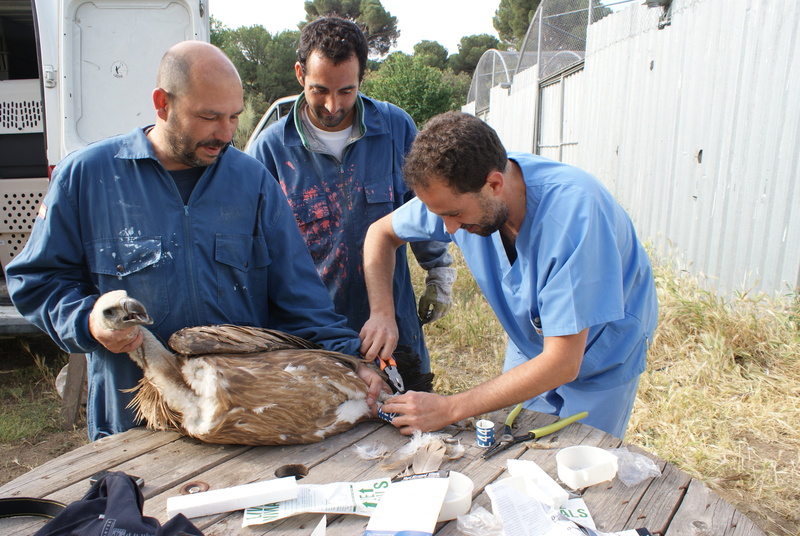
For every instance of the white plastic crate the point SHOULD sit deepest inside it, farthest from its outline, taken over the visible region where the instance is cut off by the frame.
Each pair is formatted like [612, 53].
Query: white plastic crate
[19, 204]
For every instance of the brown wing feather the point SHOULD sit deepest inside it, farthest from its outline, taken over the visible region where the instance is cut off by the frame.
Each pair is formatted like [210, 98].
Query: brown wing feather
[281, 397]
[264, 387]
[279, 373]
[228, 339]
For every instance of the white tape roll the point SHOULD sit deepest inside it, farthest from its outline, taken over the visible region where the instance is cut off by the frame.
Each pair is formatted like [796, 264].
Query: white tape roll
[458, 498]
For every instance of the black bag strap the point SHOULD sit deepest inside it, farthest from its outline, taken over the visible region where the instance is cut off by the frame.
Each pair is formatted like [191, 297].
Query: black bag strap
[28, 506]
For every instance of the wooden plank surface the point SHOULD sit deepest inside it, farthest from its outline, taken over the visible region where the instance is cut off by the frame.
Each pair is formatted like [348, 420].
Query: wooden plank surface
[261, 464]
[85, 461]
[703, 512]
[670, 505]
[73, 391]
[661, 496]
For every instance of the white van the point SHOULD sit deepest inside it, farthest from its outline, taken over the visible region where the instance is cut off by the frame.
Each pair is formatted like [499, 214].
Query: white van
[276, 111]
[73, 72]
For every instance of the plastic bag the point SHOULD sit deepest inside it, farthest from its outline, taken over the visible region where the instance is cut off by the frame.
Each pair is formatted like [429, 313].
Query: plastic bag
[633, 468]
[479, 522]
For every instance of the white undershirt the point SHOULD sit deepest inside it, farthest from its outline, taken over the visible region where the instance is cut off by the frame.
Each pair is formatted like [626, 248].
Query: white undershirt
[334, 141]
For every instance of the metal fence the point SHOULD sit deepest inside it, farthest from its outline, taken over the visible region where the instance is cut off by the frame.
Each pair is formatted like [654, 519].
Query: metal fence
[690, 117]
[555, 40]
[556, 37]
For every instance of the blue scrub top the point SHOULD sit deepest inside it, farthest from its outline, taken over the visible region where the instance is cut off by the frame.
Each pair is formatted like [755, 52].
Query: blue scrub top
[579, 265]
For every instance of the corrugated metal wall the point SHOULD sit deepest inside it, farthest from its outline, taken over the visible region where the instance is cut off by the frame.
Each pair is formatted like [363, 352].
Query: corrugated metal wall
[695, 128]
[514, 113]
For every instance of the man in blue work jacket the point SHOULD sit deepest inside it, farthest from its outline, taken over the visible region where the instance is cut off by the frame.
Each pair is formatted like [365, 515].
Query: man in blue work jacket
[339, 156]
[196, 230]
[555, 256]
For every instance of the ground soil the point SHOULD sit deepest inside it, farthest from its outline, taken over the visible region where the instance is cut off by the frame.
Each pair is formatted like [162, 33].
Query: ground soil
[19, 457]
[22, 456]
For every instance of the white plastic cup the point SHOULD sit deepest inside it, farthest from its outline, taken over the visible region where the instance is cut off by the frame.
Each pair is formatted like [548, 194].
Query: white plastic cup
[582, 466]
[484, 433]
[458, 498]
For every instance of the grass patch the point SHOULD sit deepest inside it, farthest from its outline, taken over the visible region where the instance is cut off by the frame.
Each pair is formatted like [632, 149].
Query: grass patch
[468, 344]
[720, 398]
[30, 405]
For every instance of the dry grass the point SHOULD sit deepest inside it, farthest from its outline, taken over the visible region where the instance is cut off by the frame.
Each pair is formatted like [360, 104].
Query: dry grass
[719, 398]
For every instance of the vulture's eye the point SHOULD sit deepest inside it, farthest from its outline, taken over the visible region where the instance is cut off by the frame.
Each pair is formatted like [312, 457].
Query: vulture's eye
[108, 313]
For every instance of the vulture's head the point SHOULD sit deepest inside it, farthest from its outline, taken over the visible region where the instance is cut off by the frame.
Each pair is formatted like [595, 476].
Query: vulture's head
[119, 311]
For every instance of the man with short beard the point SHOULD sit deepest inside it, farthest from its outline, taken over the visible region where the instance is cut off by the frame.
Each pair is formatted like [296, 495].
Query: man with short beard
[196, 230]
[556, 257]
[339, 157]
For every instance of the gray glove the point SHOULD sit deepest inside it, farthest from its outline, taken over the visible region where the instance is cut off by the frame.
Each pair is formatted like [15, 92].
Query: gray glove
[436, 301]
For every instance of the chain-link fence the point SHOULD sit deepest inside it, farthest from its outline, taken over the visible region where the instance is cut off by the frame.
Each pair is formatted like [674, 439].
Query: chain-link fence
[556, 39]
[495, 68]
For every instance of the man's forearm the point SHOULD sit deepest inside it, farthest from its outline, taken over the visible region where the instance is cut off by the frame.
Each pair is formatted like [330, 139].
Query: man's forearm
[557, 365]
[380, 245]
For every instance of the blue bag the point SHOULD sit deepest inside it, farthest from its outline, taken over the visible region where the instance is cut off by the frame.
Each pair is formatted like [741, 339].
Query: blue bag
[113, 505]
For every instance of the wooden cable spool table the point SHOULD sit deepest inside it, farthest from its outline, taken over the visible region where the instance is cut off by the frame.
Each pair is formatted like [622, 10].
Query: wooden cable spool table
[670, 505]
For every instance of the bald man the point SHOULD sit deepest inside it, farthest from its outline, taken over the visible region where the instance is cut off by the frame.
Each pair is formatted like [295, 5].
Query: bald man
[171, 213]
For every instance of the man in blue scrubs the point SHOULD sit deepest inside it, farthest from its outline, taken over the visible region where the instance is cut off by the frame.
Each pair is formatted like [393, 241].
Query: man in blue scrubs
[557, 259]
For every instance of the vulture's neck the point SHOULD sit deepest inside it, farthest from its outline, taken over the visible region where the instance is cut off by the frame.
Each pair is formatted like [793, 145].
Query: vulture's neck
[161, 367]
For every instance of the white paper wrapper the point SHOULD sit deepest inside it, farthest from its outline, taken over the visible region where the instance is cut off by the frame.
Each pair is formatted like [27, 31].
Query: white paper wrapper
[359, 498]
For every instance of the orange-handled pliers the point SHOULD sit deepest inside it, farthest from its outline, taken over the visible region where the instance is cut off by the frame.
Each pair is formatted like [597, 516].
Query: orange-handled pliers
[389, 366]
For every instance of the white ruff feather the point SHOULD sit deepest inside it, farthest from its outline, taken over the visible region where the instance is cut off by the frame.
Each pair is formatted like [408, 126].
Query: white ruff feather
[373, 451]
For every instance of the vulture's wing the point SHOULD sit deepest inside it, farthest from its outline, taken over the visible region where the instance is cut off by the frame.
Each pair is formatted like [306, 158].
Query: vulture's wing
[227, 339]
[298, 378]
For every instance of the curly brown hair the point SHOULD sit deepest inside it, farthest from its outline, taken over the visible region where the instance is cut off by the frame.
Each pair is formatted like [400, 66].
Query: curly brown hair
[336, 39]
[456, 148]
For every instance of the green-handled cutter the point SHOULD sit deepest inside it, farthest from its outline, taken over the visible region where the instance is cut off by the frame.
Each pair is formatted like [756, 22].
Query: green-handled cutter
[508, 439]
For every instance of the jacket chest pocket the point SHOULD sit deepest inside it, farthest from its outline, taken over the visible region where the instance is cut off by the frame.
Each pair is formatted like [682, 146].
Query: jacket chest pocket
[315, 220]
[133, 264]
[380, 197]
[242, 265]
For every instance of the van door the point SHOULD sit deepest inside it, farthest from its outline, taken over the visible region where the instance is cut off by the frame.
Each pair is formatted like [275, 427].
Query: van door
[93, 64]
[110, 53]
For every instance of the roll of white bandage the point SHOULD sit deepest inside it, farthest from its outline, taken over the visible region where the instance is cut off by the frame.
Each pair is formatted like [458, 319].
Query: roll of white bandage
[234, 498]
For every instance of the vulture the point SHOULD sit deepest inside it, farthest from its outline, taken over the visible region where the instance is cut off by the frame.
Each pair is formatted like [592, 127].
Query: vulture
[238, 385]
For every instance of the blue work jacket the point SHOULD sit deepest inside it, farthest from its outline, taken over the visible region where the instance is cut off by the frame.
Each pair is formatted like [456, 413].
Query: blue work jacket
[113, 219]
[579, 265]
[335, 201]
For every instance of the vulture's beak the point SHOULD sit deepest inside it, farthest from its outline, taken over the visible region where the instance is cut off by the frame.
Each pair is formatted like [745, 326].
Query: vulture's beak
[135, 312]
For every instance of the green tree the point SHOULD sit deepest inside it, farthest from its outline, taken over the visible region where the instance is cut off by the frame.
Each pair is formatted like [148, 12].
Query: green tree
[410, 84]
[219, 32]
[265, 62]
[512, 18]
[459, 83]
[470, 50]
[432, 54]
[378, 25]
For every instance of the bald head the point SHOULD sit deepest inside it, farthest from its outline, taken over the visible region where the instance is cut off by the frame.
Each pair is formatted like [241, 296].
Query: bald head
[189, 61]
[198, 101]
